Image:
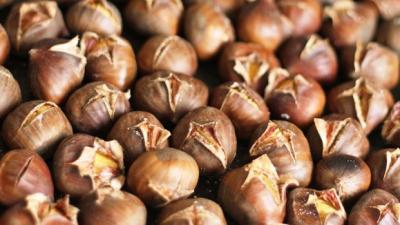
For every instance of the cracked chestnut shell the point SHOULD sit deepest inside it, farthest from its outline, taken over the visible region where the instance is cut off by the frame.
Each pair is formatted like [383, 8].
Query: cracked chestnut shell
[139, 132]
[391, 127]
[4, 45]
[208, 135]
[255, 194]
[99, 16]
[31, 22]
[36, 125]
[169, 96]
[296, 98]
[83, 163]
[10, 92]
[311, 207]
[247, 62]
[192, 211]
[287, 148]
[170, 53]
[109, 206]
[95, 106]
[389, 33]
[160, 177]
[23, 172]
[337, 134]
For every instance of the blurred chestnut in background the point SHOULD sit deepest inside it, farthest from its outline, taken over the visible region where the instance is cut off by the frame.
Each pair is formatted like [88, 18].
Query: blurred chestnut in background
[99, 16]
[5, 3]
[247, 62]
[56, 70]
[389, 34]
[311, 207]
[23, 172]
[209, 136]
[192, 211]
[170, 53]
[208, 29]
[169, 96]
[348, 175]
[388, 9]
[312, 57]
[337, 134]
[36, 125]
[154, 17]
[287, 148]
[10, 92]
[30, 22]
[108, 206]
[139, 132]
[296, 98]
[4, 45]
[110, 59]
[245, 108]
[160, 177]
[94, 107]
[391, 129]
[83, 163]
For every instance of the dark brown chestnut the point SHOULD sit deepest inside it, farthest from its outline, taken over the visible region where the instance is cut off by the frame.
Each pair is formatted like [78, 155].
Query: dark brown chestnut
[389, 34]
[5, 3]
[169, 96]
[388, 9]
[287, 148]
[10, 92]
[209, 136]
[160, 177]
[296, 98]
[4, 45]
[391, 129]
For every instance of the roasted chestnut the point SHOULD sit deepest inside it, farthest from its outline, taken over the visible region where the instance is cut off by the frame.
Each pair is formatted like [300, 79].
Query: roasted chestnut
[287, 149]
[247, 62]
[170, 53]
[33, 21]
[208, 29]
[4, 45]
[160, 177]
[10, 92]
[311, 207]
[209, 136]
[169, 96]
[229, 7]
[95, 106]
[391, 129]
[99, 16]
[388, 9]
[296, 98]
[389, 34]
[110, 59]
[36, 125]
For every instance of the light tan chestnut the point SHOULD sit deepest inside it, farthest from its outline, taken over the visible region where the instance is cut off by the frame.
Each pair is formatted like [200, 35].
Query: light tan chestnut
[10, 92]
[5, 45]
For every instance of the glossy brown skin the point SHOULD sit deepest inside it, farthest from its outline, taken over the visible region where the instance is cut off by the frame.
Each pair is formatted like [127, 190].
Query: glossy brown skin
[238, 50]
[388, 9]
[160, 177]
[208, 135]
[99, 16]
[92, 109]
[348, 175]
[169, 96]
[246, 109]
[36, 125]
[5, 45]
[171, 53]
[192, 211]
[10, 92]
[390, 130]
[389, 34]
[208, 29]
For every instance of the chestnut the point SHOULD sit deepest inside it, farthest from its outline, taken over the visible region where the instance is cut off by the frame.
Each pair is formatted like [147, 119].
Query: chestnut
[313, 57]
[286, 147]
[93, 107]
[208, 29]
[389, 33]
[4, 45]
[154, 17]
[108, 206]
[99, 16]
[23, 172]
[337, 134]
[245, 108]
[5, 3]
[296, 98]
[348, 175]
[229, 7]
[192, 211]
[170, 53]
[33, 21]
[209, 136]
[36, 125]
[160, 177]
[388, 9]
[391, 129]
[139, 132]
[247, 62]
[255, 194]
[110, 59]
[83, 163]
[169, 96]
[311, 207]
[10, 92]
